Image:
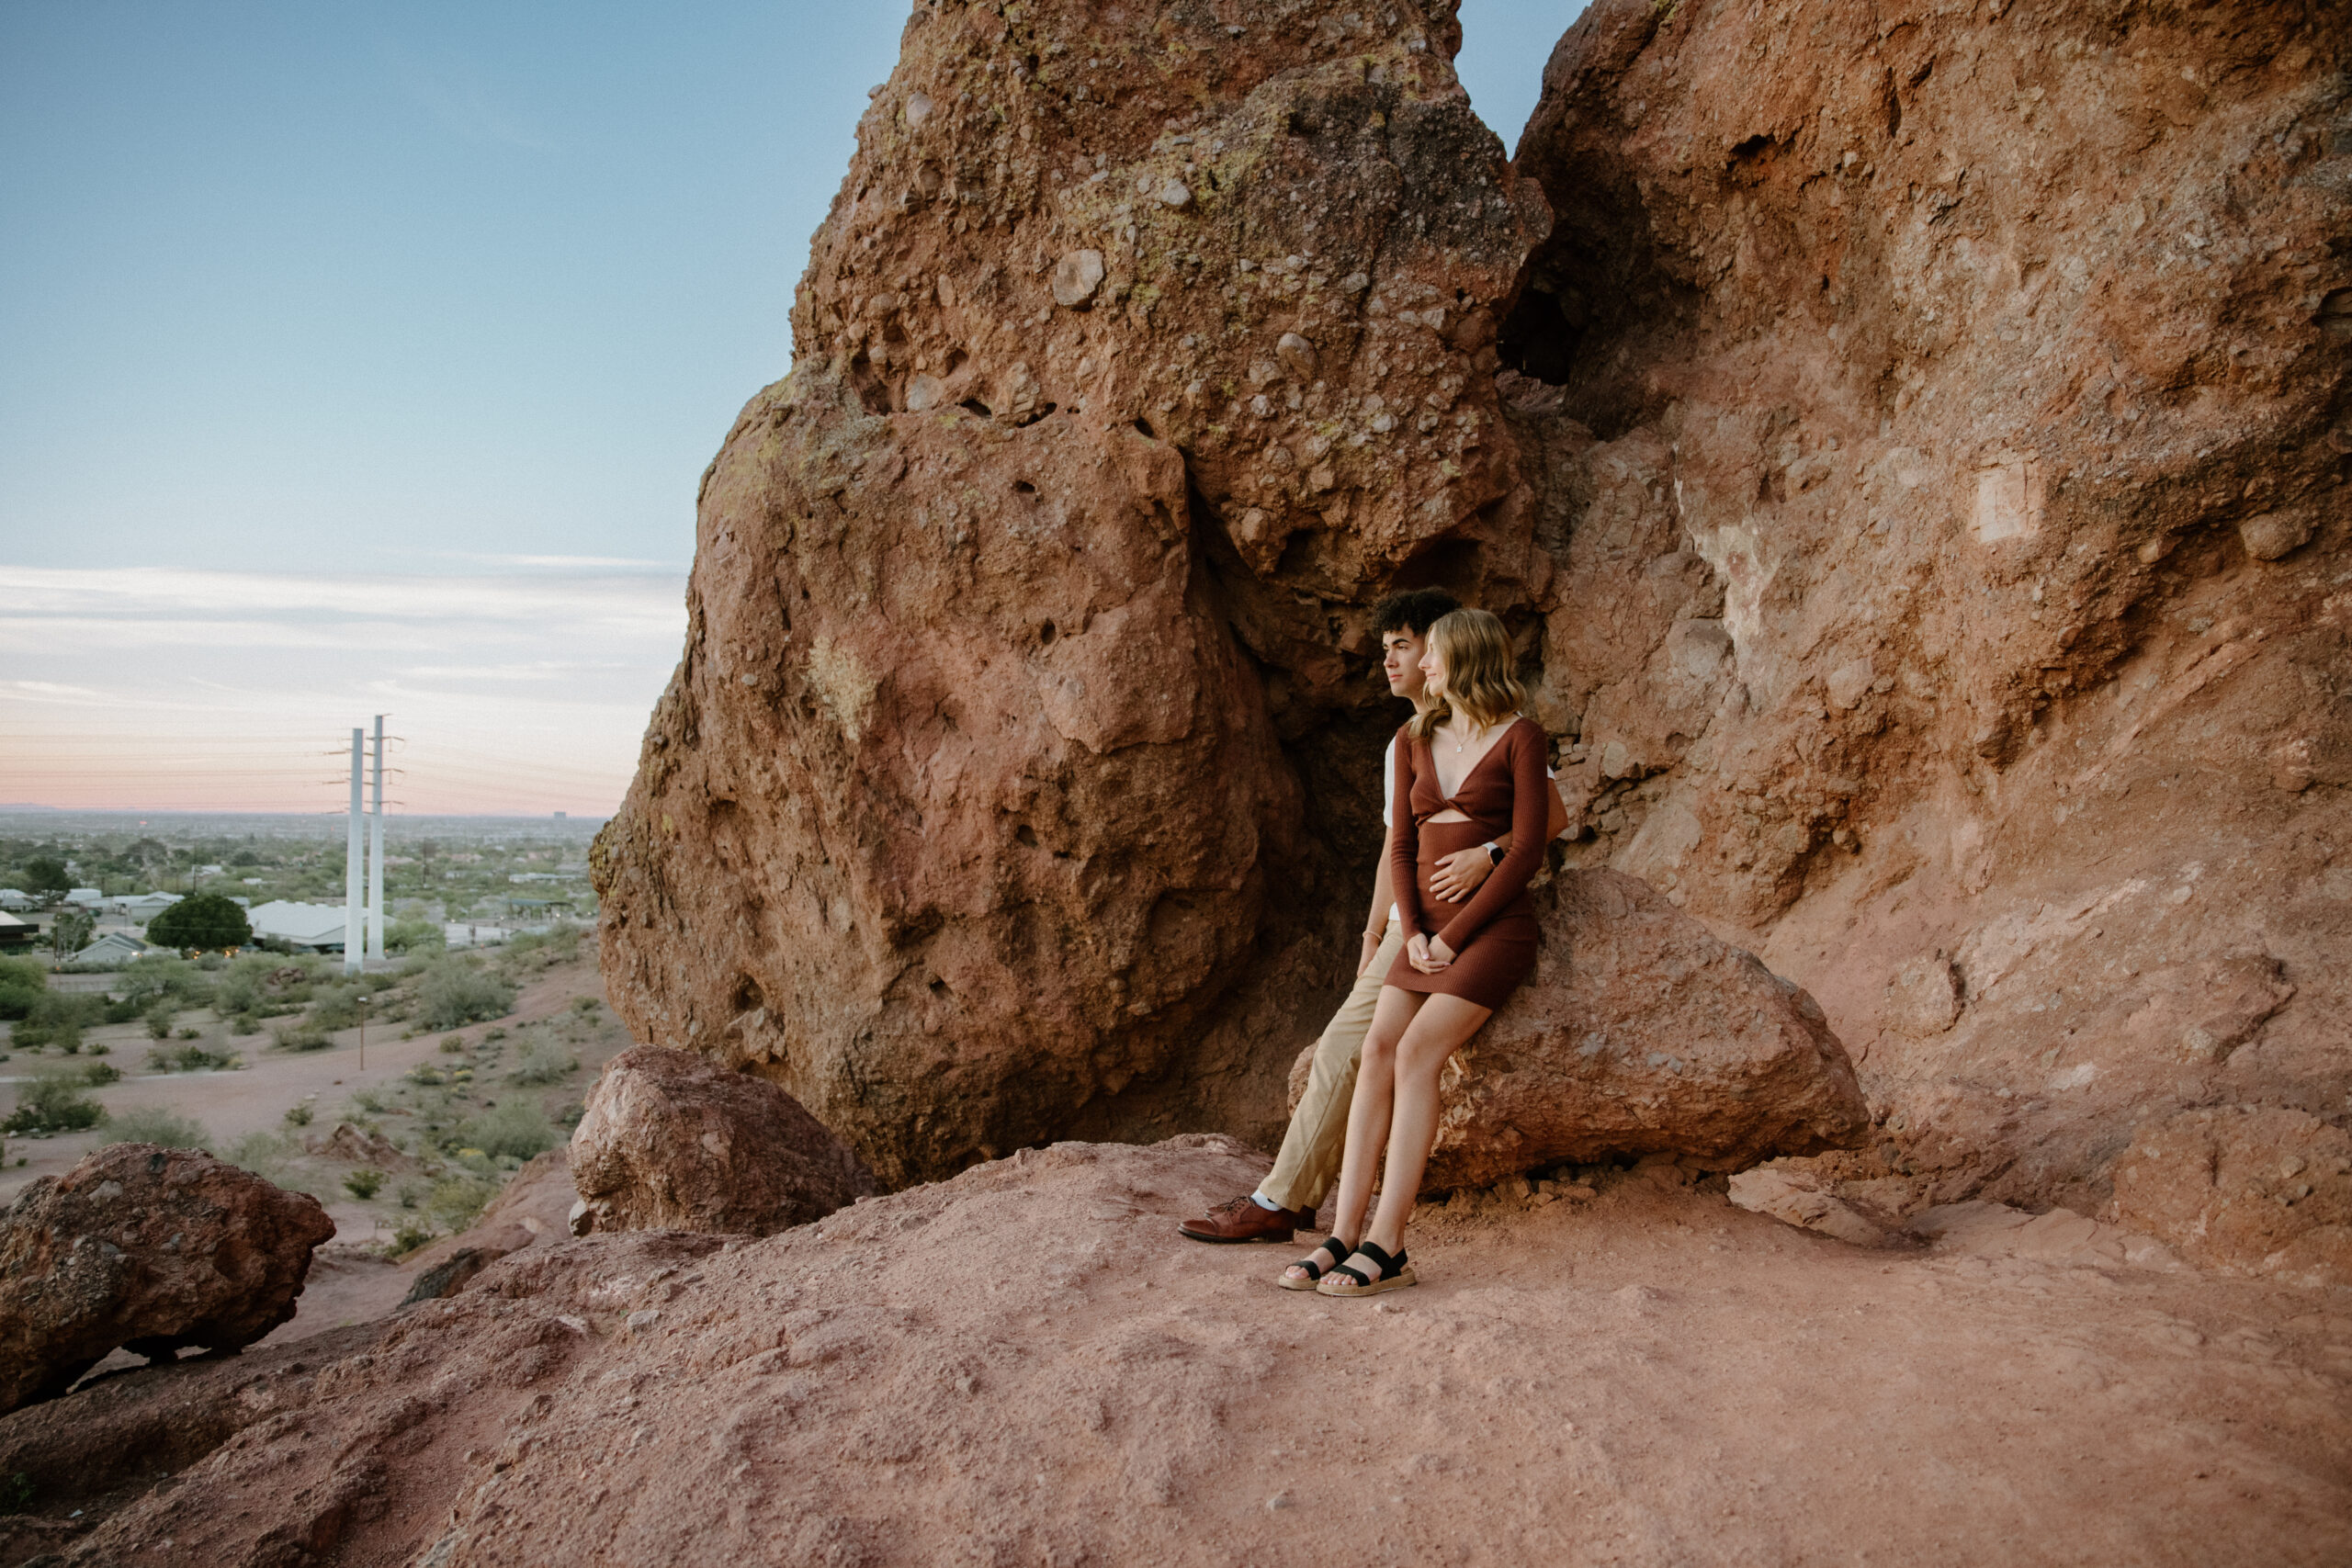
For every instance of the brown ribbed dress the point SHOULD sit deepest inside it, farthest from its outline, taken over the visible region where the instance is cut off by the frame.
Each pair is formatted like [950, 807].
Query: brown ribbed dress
[1493, 936]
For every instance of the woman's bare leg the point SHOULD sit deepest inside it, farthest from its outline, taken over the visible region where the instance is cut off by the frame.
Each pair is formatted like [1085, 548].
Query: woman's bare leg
[1434, 1033]
[1368, 1112]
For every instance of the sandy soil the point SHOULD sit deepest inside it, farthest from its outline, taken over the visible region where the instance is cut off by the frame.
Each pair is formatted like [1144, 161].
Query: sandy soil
[1027, 1365]
[256, 1098]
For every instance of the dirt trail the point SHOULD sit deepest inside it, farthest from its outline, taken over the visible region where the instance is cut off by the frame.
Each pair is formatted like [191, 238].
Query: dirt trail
[1026, 1365]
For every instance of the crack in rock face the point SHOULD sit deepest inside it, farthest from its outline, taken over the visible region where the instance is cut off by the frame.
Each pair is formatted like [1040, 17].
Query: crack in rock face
[1909, 451]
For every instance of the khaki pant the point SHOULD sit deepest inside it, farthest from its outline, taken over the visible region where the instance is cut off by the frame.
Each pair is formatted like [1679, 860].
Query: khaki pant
[1309, 1162]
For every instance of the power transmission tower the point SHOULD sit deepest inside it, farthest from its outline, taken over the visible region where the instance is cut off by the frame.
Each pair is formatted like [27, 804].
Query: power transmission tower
[355, 865]
[376, 855]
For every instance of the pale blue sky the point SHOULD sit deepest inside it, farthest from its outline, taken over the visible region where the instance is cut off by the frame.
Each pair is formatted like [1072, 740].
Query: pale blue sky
[427, 290]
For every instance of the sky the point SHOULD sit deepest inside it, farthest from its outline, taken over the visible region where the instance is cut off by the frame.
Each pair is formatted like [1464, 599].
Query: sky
[363, 358]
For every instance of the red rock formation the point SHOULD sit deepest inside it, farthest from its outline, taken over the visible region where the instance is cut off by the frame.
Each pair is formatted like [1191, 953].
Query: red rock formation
[1946, 436]
[147, 1248]
[1139, 344]
[2244, 1190]
[1913, 457]
[671, 1141]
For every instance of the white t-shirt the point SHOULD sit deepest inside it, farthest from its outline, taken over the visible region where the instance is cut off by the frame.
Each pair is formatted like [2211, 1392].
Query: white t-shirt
[1388, 800]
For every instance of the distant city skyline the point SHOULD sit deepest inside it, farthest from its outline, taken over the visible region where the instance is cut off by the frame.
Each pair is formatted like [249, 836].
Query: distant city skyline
[367, 361]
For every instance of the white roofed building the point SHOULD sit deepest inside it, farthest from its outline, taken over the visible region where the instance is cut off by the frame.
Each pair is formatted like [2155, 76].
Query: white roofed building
[317, 926]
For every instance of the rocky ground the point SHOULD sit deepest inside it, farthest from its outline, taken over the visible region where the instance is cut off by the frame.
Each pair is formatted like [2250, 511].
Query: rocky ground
[1026, 1365]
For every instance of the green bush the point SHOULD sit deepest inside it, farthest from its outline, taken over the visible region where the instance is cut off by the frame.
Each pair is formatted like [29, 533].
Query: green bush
[263, 1153]
[22, 982]
[202, 920]
[299, 1115]
[301, 1035]
[159, 1018]
[413, 937]
[53, 1103]
[409, 1237]
[190, 1059]
[542, 1062]
[364, 1184]
[97, 1073]
[154, 1125]
[453, 992]
[244, 1023]
[148, 979]
[455, 1203]
[517, 1128]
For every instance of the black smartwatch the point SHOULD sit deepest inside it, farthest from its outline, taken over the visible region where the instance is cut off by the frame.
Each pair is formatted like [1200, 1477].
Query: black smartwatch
[1494, 853]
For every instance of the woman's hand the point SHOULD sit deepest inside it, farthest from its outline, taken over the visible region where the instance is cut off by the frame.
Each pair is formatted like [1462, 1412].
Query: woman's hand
[1458, 874]
[1424, 952]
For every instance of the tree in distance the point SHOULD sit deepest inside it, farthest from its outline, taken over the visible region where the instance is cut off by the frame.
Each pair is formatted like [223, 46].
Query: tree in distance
[45, 873]
[70, 933]
[206, 923]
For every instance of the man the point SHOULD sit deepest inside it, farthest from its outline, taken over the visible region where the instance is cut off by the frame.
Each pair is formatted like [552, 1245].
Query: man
[1309, 1161]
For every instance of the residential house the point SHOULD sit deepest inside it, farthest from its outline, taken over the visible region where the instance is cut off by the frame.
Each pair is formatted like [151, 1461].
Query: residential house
[115, 947]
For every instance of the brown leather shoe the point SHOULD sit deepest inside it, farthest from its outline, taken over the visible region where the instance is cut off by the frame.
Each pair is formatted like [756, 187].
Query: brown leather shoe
[1243, 1220]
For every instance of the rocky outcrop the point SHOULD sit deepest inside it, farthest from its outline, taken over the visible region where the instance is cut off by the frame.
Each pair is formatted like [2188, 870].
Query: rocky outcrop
[1945, 434]
[1911, 450]
[671, 1141]
[148, 1249]
[1140, 346]
[1640, 1033]
[2245, 1190]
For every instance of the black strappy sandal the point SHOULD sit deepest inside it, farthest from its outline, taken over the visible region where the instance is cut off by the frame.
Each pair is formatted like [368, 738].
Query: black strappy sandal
[1315, 1272]
[1396, 1273]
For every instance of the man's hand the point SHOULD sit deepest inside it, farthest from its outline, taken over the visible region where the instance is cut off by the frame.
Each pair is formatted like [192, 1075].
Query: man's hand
[1370, 950]
[1458, 874]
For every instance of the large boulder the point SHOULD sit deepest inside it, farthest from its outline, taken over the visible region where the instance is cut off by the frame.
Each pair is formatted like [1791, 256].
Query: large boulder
[1640, 1033]
[1138, 354]
[672, 1140]
[148, 1249]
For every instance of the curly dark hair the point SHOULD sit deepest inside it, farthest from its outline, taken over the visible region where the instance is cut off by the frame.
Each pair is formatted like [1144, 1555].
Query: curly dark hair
[1415, 611]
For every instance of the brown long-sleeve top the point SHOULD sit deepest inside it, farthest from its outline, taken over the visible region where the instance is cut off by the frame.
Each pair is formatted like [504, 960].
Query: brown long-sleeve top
[1506, 792]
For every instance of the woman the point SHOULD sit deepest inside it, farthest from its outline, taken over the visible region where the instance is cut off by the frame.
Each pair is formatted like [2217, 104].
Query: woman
[1469, 769]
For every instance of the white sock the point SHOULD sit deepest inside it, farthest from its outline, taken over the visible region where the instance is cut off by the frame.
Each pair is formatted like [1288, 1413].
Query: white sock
[1265, 1202]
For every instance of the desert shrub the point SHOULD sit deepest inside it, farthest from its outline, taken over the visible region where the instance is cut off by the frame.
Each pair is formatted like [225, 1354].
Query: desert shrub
[153, 1124]
[409, 1237]
[517, 1128]
[53, 1102]
[409, 1194]
[301, 1035]
[413, 937]
[427, 1075]
[190, 1059]
[97, 1073]
[244, 1023]
[118, 1009]
[299, 1115]
[453, 992]
[159, 1016]
[189, 1032]
[542, 1062]
[457, 1202]
[263, 1153]
[337, 1006]
[585, 1006]
[451, 1045]
[22, 982]
[148, 980]
[364, 1184]
[57, 1018]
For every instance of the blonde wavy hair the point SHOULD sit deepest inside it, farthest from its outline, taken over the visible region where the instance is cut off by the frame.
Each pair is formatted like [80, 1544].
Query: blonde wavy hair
[1481, 679]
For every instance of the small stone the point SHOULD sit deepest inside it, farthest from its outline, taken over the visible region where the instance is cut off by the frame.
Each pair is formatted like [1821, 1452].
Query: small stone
[643, 1319]
[925, 392]
[1297, 354]
[1076, 278]
[2270, 535]
[581, 1221]
[1174, 192]
[1280, 1500]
